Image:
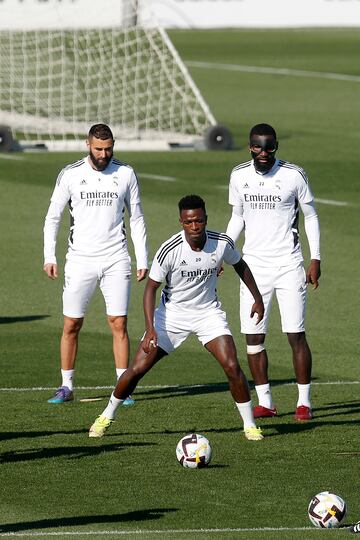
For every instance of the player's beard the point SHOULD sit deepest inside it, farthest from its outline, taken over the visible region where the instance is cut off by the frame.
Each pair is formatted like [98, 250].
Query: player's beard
[263, 167]
[100, 164]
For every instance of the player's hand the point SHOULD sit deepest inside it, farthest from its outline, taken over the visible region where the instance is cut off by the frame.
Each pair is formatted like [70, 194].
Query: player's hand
[258, 308]
[313, 273]
[141, 274]
[150, 341]
[51, 270]
[220, 271]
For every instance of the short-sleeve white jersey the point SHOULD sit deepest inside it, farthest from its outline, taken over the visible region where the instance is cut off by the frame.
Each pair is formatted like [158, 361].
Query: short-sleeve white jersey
[97, 202]
[270, 208]
[190, 275]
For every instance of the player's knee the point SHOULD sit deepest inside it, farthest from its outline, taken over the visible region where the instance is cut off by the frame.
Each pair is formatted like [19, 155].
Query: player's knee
[297, 339]
[137, 370]
[72, 326]
[232, 368]
[118, 324]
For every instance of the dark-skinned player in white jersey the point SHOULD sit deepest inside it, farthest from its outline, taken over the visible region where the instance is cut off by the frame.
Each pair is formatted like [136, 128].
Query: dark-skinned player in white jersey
[266, 194]
[189, 263]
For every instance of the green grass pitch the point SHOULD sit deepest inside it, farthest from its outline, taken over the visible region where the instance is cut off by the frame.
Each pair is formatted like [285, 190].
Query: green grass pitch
[56, 482]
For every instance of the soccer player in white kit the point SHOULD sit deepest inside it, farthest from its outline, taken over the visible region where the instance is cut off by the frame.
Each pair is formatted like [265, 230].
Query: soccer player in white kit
[266, 194]
[97, 190]
[189, 263]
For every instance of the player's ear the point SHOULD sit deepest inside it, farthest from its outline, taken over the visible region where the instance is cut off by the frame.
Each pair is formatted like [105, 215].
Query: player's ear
[88, 143]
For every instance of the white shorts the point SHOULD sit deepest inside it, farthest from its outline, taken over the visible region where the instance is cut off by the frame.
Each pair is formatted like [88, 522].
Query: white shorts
[81, 279]
[173, 327]
[289, 284]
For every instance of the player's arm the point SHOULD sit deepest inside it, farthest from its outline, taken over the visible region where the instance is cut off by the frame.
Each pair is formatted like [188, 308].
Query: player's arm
[312, 230]
[138, 236]
[236, 223]
[137, 227]
[51, 228]
[59, 199]
[149, 300]
[244, 272]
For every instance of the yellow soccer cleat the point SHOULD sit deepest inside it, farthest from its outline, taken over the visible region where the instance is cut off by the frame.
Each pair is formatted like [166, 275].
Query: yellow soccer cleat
[99, 427]
[253, 434]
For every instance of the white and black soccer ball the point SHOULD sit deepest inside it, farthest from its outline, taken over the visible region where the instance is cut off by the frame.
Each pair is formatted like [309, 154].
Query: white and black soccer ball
[326, 510]
[193, 451]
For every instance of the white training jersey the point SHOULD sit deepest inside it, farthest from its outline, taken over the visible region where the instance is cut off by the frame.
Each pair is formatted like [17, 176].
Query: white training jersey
[191, 275]
[97, 201]
[269, 204]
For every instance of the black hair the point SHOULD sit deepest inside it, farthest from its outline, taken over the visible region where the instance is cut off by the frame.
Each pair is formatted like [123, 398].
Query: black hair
[263, 129]
[101, 131]
[191, 202]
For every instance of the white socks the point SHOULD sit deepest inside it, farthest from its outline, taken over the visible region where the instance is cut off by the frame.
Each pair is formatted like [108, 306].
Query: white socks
[264, 395]
[265, 398]
[304, 395]
[67, 378]
[110, 411]
[246, 413]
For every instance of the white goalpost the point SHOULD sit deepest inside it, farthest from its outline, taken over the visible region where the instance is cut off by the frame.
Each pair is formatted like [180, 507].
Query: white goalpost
[56, 82]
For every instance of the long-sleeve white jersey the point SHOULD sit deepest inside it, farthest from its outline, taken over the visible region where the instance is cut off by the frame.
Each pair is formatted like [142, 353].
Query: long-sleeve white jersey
[97, 201]
[267, 206]
[190, 275]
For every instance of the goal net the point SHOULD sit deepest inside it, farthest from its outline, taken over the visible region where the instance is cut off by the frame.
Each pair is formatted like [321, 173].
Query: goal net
[56, 83]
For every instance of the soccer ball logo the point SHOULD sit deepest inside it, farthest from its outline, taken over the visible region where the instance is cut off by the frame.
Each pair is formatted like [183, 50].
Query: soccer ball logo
[326, 510]
[193, 451]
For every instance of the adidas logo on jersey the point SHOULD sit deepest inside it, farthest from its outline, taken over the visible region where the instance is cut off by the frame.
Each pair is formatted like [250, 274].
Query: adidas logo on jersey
[83, 182]
[183, 263]
[246, 186]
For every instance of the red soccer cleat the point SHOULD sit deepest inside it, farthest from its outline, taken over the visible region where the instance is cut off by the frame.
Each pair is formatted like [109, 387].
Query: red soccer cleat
[263, 412]
[303, 413]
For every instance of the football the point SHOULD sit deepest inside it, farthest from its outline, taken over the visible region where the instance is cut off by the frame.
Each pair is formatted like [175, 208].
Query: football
[326, 510]
[193, 451]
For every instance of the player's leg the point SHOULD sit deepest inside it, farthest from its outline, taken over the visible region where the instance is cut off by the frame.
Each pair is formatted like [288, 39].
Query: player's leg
[258, 364]
[69, 342]
[141, 364]
[125, 385]
[118, 327]
[302, 361]
[255, 340]
[291, 295]
[79, 286]
[115, 285]
[121, 348]
[214, 333]
[167, 341]
[224, 350]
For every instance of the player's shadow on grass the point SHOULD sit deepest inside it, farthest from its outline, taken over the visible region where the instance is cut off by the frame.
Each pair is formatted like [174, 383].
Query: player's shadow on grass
[24, 318]
[147, 514]
[8, 435]
[74, 452]
[193, 389]
[350, 407]
[298, 427]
